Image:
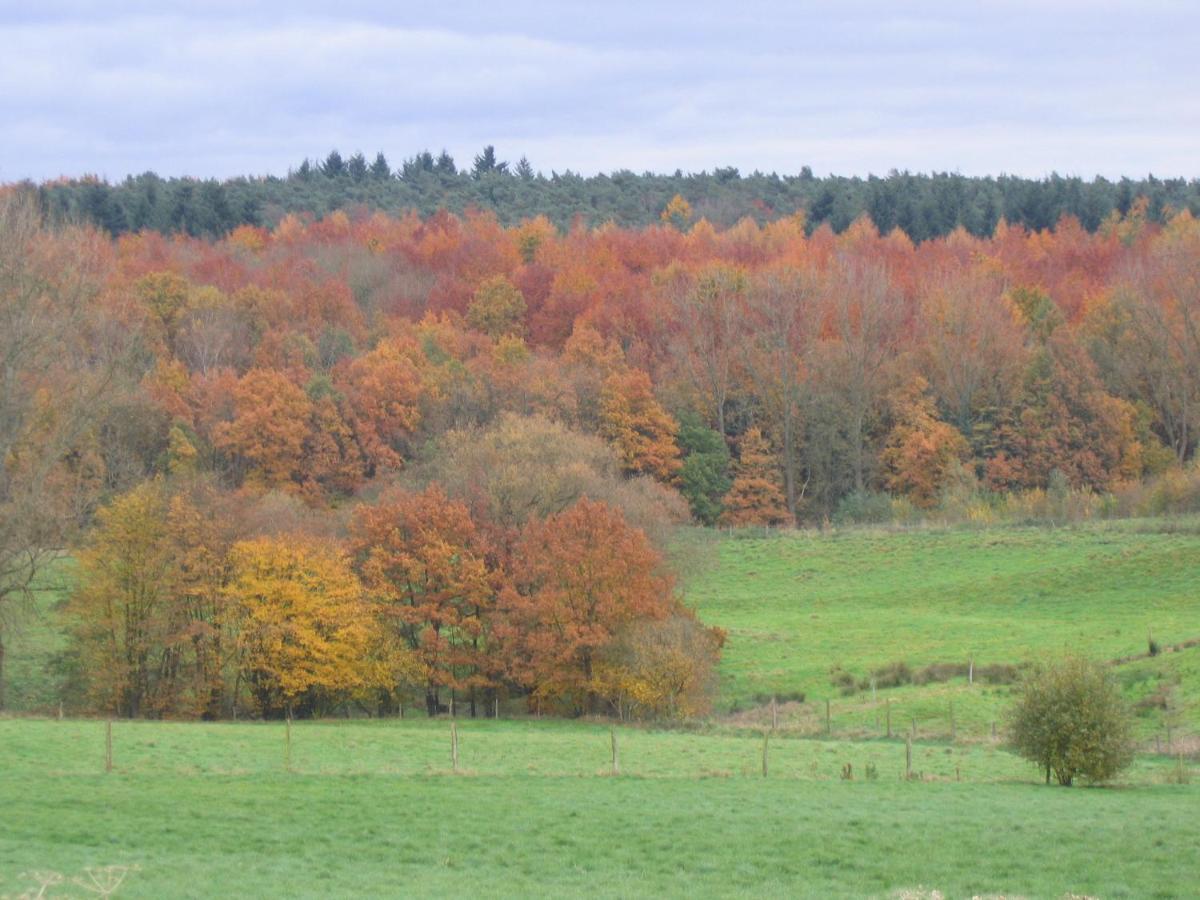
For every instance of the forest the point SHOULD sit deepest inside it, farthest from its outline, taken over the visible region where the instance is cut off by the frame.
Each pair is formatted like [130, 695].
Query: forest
[363, 459]
[923, 206]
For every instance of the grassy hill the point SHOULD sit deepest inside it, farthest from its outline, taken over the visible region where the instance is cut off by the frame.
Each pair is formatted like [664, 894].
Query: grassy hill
[807, 611]
[370, 808]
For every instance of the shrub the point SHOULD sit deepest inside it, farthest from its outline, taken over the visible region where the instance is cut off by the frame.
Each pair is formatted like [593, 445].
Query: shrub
[864, 508]
[1070, 719]
[893, 675]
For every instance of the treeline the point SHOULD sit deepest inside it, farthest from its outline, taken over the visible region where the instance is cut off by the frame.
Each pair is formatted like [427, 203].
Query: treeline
[923, 206]
[755, 375]
[192, 602]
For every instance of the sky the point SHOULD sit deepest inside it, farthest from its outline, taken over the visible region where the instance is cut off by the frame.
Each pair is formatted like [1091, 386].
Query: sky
[221, 88]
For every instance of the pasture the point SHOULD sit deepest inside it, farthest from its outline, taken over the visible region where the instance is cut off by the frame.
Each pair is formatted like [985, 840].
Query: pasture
[377, 807]
[799, 605]
[373, 808]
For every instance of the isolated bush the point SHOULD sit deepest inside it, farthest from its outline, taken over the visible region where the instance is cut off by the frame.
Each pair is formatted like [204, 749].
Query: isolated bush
[1070, 719]
[893, 675]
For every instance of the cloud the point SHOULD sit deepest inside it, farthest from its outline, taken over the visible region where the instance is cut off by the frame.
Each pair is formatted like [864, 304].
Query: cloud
[985, 87]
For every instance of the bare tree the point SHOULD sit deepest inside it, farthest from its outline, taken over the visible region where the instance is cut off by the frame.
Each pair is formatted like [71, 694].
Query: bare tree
[712, 327]
[56, 362]
[784, 313]
[864, 321]
[1153, 342]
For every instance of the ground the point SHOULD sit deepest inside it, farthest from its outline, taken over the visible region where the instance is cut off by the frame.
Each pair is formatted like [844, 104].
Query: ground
[374, 809]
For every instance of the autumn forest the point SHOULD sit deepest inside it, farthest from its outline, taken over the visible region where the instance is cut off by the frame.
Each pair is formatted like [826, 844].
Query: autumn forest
[368, 459]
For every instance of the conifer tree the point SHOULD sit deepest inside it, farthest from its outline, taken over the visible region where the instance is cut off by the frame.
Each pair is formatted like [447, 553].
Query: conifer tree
[755, 498]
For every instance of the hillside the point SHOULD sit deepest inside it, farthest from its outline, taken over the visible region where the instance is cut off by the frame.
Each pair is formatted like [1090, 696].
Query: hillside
[800, 606]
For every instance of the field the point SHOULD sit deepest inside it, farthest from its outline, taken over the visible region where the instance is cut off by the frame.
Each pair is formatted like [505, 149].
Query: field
[798, 605]
[373, 808]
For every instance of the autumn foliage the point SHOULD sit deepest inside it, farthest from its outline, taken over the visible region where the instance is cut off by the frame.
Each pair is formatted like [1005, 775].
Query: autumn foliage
[446, 430]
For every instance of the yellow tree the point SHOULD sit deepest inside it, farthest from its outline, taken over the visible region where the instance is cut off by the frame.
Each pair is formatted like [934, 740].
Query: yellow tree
[305, 632]
[498, 308]
[677, 213]
[119, 609]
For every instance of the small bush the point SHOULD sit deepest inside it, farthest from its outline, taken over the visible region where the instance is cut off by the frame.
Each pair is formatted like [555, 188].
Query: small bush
[844, 681]
[893, 675]
[1069, 718]
[864, 508]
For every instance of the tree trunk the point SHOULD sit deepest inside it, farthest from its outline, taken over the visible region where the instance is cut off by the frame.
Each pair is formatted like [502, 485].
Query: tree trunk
[431, 701]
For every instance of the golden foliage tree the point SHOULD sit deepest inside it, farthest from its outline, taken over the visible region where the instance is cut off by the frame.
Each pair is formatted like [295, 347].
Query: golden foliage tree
[642, 432]
[921, 451]
[304, 631]
[126, 582]
[497, 308]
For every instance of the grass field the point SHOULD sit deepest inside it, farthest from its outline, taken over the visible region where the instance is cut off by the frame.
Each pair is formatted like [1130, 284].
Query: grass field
[371, 809]
[374, 807]
[797, 605]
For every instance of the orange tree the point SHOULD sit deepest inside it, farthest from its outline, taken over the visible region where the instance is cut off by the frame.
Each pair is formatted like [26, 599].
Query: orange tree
[424, 568]
[579, 577]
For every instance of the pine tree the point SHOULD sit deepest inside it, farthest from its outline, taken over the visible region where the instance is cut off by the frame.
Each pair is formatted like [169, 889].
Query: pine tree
[380, 170]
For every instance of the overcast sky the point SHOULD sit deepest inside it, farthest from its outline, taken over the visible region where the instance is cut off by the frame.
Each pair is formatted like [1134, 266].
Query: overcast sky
[219, 88]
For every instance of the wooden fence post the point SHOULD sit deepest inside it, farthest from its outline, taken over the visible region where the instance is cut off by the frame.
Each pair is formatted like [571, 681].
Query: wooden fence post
[108, 746]
[889, 716]
[971, 671]
[287, 742]
[908, 758]
[766, 738]
[454, 745]
[616, 752]
[774, 714]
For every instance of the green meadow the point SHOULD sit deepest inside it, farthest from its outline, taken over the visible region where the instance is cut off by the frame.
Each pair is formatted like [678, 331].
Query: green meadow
[374, 808]
[799, 605]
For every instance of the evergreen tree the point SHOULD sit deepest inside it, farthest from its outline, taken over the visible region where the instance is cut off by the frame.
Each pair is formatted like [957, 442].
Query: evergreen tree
[704, 476]
[486, 164]
[380, 170]
[334, 166]
[357, 167]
